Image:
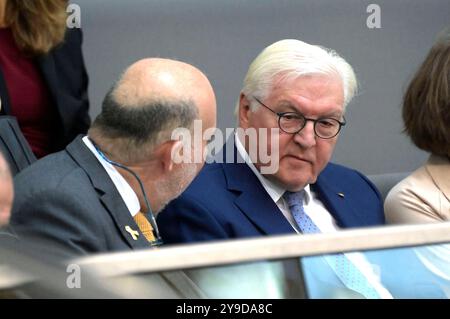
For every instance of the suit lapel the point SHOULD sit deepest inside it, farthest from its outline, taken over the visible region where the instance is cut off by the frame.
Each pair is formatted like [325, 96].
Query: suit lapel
[49, 73]
[257, 205]
[253, 200]
[4, 98]
[48, 70]
[124, 222]
[263, 212]
[108, 194]
[335, 200]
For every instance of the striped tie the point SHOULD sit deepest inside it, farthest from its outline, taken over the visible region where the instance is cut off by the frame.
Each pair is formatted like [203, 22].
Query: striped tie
[346, 271]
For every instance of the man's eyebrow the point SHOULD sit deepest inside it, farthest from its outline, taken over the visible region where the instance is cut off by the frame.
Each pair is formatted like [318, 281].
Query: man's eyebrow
[292, 108]
[287, 104]
[332, 115]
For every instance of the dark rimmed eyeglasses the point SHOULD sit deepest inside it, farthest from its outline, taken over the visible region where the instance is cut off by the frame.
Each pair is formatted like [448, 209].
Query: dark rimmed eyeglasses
[292, 123]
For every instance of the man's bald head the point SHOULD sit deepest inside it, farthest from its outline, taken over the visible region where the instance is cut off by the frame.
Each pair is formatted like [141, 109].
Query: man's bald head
[151, 98]
[160, 79]
[6, 192]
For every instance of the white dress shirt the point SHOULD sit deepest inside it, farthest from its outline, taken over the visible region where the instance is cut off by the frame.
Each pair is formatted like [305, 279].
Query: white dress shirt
[313, 207]
[126, 192]
[316, 210]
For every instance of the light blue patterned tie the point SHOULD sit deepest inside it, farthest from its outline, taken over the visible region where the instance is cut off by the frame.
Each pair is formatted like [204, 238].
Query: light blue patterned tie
[346, 271]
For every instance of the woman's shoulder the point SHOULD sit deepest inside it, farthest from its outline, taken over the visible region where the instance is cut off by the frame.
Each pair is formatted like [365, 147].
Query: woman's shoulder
[413, 199]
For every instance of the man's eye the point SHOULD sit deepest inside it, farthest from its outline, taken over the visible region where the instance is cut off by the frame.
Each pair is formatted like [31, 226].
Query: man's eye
[327, 122]
[291, 117]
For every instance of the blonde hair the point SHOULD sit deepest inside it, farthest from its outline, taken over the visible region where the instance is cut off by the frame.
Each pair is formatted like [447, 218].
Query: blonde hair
[37, 25]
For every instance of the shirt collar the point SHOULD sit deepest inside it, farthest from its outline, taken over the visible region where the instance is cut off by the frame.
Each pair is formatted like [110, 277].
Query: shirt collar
[126, 192]
[274, 190]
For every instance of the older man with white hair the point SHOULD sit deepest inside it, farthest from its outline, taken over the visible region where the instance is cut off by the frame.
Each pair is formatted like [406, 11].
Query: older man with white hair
[294, 96]
[299, 91]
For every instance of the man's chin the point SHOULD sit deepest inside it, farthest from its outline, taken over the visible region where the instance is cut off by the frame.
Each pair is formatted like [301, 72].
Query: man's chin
[295, 189]
[298, 185]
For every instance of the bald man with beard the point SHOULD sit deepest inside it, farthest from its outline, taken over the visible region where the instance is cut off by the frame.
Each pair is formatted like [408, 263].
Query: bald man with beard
[98, 194]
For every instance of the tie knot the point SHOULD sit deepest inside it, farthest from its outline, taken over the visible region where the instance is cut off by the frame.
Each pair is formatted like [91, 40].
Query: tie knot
[294, 199]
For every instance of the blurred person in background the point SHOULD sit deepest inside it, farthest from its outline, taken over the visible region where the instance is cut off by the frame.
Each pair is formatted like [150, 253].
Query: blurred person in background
[424, 196]
[43, 80]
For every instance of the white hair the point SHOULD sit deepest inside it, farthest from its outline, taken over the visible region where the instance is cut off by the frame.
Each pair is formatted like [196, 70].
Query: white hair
[290, 59]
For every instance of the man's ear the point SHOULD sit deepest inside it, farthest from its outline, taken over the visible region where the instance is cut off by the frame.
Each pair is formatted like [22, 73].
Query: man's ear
[244, 111]
[170, 154]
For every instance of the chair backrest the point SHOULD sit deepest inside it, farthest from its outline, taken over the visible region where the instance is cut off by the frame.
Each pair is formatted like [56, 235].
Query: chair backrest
[13, 145]
[385, 182]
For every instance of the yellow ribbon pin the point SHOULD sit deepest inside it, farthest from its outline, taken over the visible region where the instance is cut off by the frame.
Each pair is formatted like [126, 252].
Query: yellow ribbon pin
[133, 233]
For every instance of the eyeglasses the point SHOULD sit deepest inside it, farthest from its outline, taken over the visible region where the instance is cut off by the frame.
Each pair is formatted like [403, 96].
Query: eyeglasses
[292, 123]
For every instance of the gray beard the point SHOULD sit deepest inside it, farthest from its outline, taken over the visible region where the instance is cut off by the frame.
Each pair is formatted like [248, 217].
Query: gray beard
[172, 188]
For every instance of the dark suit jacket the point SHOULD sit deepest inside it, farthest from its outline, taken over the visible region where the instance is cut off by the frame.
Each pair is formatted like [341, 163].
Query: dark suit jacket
[228, 201]
[68, 198]
[64, 72]
[14, 146]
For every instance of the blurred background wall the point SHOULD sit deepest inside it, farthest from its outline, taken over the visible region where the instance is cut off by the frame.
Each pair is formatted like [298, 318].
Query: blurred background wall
[222, 37]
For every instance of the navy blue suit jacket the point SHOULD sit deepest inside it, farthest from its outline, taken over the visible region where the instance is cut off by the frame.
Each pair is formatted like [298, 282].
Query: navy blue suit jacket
[226, 200]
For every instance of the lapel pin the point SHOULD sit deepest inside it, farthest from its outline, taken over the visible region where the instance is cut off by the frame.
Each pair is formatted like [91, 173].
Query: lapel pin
[133, 233]
[341, 195]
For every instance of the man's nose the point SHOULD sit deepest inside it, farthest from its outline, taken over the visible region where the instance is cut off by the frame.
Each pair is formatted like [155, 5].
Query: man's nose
[306, 138]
